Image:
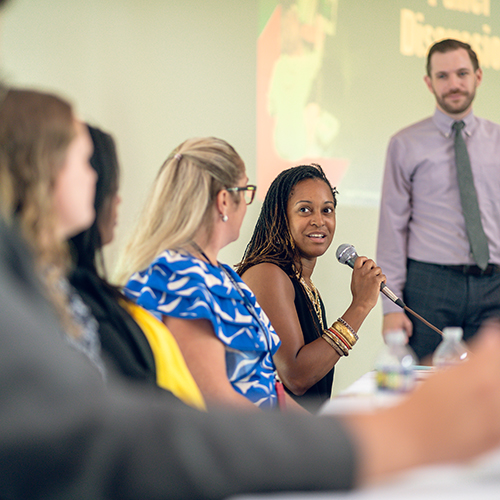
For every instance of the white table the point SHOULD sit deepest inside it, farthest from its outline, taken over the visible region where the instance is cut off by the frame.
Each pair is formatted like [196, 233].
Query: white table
[362, 395]
[479, 480]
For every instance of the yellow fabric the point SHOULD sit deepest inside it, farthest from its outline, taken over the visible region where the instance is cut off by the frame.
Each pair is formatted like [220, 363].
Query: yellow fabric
[172, 372]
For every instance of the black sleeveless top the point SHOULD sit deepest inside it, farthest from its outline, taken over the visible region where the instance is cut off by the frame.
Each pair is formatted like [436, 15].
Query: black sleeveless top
[123, 343]
[316, 395]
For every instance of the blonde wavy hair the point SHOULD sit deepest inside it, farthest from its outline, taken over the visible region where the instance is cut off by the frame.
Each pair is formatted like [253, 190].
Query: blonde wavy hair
[36, 130]
[181, 201]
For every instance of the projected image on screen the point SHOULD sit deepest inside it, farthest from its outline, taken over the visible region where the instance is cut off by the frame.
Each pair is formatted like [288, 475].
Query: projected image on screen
[296, 124]
[337, 78]
[301, 127]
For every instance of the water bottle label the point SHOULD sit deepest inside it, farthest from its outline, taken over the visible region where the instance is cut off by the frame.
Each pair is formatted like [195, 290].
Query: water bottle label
[395, 380]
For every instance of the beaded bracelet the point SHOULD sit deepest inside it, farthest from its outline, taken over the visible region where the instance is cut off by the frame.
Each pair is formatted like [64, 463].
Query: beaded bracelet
[332, 344]
[348, 326]
[344, 333]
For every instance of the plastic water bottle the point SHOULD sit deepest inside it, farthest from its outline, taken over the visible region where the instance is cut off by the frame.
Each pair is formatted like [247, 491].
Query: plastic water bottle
[395, 365]
[451, 350]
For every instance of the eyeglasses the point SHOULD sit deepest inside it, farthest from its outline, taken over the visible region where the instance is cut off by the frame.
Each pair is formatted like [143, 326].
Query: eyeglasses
[248, 192]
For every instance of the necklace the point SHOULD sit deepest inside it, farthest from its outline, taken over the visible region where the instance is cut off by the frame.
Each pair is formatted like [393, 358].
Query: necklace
[198, 249]
[313, 295]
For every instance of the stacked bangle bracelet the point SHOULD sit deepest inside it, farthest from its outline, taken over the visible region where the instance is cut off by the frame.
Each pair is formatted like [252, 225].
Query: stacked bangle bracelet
[335, 343]
[341, 337]
[349, 327]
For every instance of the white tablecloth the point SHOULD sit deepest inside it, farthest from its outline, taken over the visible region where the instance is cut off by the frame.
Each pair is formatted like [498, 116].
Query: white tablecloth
[479, 480]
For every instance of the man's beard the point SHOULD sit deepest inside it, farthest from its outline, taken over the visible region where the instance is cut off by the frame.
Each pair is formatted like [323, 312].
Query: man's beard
[455, 109]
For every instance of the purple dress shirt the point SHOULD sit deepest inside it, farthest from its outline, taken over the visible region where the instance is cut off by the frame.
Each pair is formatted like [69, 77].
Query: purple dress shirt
[421, 214]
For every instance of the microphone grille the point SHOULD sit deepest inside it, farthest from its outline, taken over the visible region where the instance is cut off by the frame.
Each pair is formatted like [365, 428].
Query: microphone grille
[346, 253]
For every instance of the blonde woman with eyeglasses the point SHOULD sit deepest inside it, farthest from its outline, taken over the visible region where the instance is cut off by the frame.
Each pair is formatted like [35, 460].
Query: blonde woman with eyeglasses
[195, 209]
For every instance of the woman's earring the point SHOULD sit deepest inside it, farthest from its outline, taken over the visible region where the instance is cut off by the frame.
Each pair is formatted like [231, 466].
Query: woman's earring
[224, 218]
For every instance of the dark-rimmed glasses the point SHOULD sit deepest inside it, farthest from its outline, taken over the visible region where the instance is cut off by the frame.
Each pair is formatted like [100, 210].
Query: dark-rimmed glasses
[248, 192]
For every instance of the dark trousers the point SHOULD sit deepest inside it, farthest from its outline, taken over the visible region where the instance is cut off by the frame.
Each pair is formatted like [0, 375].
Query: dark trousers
[447, 297]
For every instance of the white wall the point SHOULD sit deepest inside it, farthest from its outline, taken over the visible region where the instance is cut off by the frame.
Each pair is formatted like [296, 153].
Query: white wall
[154, 72]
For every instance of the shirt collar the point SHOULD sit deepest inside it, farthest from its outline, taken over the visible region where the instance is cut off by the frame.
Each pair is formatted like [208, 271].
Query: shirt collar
[444, 123]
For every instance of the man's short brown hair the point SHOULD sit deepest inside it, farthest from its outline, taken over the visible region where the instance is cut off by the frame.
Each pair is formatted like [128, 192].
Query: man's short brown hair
[447, 46]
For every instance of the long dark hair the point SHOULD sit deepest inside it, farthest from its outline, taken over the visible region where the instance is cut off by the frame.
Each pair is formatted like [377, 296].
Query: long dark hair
[87, 246]
[272, 240]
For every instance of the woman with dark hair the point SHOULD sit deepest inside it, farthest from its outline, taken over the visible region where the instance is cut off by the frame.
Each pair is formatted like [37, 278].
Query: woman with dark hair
[295, 227]
[139, 345]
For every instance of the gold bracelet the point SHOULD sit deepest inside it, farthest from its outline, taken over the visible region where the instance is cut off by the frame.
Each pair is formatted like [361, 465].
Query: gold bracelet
[345, 333]
[340, 338]
[348, 326]
[330, 342]
[337, 341]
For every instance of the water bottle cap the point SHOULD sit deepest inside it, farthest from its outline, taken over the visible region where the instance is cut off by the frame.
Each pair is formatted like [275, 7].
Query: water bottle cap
[453, 332]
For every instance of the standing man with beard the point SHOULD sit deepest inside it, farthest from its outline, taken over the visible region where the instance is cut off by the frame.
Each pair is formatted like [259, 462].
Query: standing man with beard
[439, 231]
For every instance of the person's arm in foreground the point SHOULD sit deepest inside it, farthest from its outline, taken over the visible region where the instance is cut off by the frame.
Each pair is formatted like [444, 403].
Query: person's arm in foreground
[451, 417]
[63, 435]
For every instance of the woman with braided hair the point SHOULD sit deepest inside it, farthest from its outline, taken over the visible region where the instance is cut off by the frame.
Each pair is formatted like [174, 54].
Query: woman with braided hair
[295, 227]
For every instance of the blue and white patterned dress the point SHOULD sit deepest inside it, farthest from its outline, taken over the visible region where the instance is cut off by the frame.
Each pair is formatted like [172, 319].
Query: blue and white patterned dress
[180, 285]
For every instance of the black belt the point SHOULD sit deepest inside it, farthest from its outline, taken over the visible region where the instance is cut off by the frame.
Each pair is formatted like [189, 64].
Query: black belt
[475, 270]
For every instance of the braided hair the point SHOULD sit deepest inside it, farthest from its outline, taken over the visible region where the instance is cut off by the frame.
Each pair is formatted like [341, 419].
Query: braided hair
[272, 240]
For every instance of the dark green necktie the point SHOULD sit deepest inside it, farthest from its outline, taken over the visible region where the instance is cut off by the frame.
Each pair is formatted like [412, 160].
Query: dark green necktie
[475, 232]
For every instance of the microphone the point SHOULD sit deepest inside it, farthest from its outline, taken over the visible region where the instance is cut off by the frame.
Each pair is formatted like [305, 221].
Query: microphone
[346, 254]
